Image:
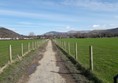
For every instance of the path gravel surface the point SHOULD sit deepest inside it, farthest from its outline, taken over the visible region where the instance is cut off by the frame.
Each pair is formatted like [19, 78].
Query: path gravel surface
[51, 69]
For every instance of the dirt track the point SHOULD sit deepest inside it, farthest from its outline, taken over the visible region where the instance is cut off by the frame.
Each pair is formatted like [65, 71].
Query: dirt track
[50, 69]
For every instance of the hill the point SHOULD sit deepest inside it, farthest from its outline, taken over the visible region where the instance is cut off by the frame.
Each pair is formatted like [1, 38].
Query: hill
[115, 30]
[104, 33]
[6, 33]
[53, 33]
[82, 34]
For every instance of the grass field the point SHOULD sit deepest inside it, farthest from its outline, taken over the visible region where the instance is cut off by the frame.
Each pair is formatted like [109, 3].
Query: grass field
[16, 49]
[105, 53]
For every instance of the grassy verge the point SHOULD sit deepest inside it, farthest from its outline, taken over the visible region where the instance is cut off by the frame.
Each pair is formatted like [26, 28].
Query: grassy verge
[104, 53]
[79, 73]
[16, 70]
[16, 49]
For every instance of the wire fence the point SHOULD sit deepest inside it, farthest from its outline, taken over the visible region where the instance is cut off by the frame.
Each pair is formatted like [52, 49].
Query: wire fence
[12, 50]
[101, 59]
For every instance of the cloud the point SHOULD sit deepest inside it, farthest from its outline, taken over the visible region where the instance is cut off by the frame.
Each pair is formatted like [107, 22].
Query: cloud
[103, 26]
[70, 28]
[44, 16]
[92, 4]
[95, 26]
[99, 27]
[25, 23]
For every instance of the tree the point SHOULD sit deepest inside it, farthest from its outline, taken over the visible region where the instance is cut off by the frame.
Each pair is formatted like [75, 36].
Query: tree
[31, 34]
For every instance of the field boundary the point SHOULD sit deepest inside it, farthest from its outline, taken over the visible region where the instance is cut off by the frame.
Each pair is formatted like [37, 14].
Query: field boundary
[86, 72]
[36, 45]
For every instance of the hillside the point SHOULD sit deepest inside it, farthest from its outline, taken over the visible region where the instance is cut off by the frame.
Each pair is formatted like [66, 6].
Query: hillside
[53, 33]
[114, 30]
[94, 33]
[6, 33]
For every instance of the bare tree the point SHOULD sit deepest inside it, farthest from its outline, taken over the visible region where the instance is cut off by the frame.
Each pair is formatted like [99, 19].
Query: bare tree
[31, 34]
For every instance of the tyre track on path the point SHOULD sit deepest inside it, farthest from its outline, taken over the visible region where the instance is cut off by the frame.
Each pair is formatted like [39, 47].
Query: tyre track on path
[48, 71]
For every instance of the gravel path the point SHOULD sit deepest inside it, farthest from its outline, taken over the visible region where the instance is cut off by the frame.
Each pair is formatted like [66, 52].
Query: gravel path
[48, 71]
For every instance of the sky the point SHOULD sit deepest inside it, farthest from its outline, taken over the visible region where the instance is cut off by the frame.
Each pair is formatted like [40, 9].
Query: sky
[40, 16]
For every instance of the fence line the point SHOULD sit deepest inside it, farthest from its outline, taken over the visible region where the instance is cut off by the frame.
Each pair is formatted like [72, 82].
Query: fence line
[76, 54]
[10, 53]
[30, 47]
[66, 46]
[91, 57]
[22, 48]
[97, 58]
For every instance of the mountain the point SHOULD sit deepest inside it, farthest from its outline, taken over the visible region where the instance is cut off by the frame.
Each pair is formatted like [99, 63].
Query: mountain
[60, 33]
[102, 33]
[53, 33]
[72, 32]
[6, 33]
[87, 33]
[113, 31]
[66, 33]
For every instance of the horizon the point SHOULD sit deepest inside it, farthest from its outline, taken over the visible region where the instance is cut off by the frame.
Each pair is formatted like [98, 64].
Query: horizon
[59, 31]
[42, 16]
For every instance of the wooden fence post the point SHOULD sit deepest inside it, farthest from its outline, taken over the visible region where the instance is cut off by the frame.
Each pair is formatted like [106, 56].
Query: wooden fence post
[58, 43]
[91, 57]
[10, 53]
[37, 44]
[33, 45]
[28, 47]
[22, 49]
[76, 54]
[65, 46]
[62, 45]
[69, 48]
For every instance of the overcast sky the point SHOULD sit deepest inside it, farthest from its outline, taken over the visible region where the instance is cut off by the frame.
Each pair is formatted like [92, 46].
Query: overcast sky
[40, 16]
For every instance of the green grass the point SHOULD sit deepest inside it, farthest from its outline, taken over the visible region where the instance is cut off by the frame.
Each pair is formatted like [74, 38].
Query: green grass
[14, 72]
[16, 49]
[105, 52]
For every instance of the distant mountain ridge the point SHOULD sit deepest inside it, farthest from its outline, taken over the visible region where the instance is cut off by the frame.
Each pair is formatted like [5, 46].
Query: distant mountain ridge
[114, 31]
[68, 32]
[53, 33]
[87, 33]
[61, 33]
[6, 33]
